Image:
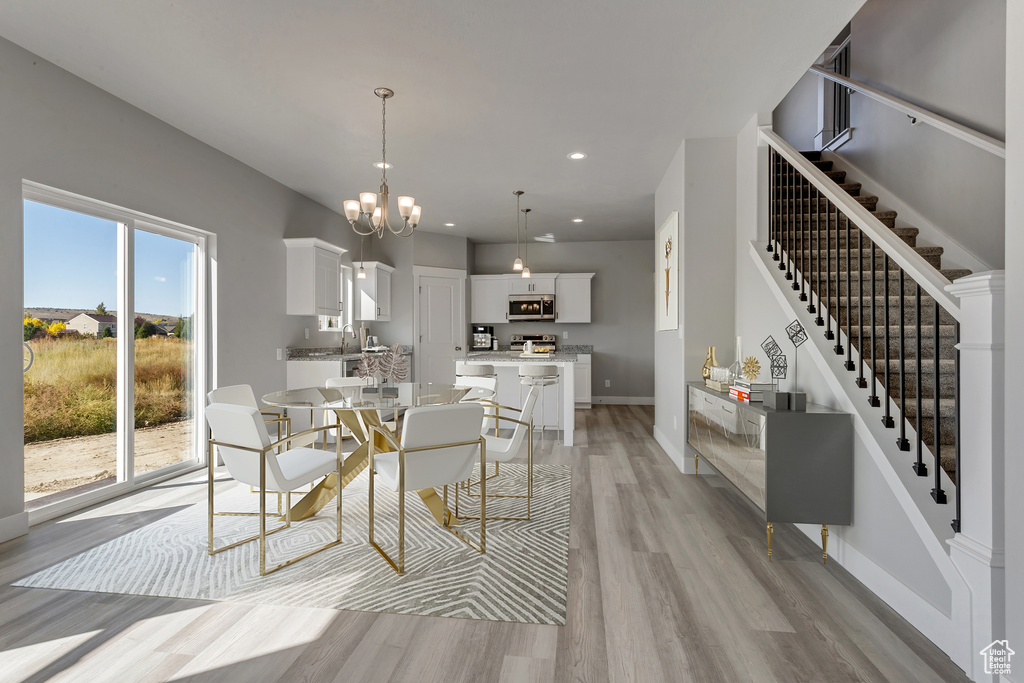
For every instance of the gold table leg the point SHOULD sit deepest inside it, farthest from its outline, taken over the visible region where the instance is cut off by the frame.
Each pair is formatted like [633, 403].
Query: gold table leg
[824, 543]
[437, 507]
[770, 541]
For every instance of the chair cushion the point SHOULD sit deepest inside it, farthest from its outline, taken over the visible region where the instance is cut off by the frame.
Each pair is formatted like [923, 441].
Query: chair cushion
[300, 466]
[499, 449]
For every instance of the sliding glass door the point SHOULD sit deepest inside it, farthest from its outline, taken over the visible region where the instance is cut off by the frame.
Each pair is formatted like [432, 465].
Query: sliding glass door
[114, 316]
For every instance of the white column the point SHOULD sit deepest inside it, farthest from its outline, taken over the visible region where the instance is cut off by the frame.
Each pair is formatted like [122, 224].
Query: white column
[978, 550]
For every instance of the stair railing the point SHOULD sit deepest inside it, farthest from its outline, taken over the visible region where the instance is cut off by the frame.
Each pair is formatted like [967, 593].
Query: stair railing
[796, 189]
[837, 63]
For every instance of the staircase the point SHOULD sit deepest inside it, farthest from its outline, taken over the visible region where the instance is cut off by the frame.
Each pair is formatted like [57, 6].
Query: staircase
[895, 330]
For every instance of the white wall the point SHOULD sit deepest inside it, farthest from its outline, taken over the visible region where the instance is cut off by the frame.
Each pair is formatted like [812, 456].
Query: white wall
[946, 56]
[1014, 332]
[700, 183]
[622, 306]
[58, 130]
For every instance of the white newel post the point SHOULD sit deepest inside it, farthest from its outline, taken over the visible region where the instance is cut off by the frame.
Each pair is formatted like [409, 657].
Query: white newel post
[978, 550]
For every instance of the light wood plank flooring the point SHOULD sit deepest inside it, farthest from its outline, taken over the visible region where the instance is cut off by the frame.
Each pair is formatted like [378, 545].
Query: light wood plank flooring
[668, 581]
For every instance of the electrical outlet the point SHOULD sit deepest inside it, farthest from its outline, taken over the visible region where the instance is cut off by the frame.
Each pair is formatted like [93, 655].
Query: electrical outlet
[607, 383]
[565, 334]
[307, 333]
[280, 354]
[675, 423]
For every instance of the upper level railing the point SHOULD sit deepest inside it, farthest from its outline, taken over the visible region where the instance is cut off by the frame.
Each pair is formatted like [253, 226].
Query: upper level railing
[836, 109]
[918, 114]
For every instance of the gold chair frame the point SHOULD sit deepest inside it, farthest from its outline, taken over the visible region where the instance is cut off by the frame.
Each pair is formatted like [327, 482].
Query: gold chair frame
[529, 477]
[399, 566]
[262, 514]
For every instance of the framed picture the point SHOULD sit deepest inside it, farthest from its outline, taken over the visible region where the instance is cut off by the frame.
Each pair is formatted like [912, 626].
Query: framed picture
[666, 274]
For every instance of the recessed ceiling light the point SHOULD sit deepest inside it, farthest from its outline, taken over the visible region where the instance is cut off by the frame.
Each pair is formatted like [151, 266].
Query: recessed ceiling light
[382, 164]
[449, 225]
[577, 155]
[577, 220]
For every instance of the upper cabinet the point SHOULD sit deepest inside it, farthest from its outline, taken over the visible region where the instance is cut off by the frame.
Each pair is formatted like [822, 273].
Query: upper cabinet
[373, 294]
[537, 284]
[313, 277]
[490, 295]
[572, 297]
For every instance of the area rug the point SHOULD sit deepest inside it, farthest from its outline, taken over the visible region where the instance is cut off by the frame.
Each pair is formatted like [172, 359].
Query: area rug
[522, 577]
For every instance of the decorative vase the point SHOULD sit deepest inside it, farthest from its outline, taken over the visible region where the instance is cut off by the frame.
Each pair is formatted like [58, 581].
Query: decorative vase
[705, 371]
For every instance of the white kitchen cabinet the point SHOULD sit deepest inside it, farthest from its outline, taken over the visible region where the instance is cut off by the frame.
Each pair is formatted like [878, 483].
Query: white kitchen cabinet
[572, 297]
[489, 294]
[313, 277]
[373, 294]
[581, 380]
[543, 283]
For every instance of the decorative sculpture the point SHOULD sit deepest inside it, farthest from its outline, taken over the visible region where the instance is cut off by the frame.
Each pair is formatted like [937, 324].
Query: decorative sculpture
[751, 368]
[368, 367]
[393, 365]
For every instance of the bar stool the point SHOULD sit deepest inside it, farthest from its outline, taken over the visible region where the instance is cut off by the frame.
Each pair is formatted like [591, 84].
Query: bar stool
[542, 376]
[479, 377]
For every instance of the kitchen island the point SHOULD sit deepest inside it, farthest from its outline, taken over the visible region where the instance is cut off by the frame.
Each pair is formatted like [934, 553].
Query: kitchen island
[558, 403]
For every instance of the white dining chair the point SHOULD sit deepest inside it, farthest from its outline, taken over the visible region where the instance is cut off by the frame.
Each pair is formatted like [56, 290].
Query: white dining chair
[251, 458]
[501, 449]
[242, 395]
[439, 446]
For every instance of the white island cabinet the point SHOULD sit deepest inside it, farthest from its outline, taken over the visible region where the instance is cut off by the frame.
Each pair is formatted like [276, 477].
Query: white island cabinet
[557, 407]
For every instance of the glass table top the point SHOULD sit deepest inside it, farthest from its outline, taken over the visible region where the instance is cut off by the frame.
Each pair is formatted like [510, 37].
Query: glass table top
[361, 397]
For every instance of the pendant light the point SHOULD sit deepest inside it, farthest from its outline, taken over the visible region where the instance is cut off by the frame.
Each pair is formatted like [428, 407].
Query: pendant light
[361, 274]
[517, 265]
[526, 242]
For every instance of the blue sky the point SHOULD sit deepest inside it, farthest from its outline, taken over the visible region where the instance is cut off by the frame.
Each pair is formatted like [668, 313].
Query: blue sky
[71, 262]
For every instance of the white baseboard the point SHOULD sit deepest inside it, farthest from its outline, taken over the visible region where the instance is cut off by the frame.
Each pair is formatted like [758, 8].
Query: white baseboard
[623, 400]
[675, 456]
[13, 526]
[924, 616]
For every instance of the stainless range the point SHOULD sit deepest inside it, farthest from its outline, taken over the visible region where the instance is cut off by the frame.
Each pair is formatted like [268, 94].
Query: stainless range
[542, 343]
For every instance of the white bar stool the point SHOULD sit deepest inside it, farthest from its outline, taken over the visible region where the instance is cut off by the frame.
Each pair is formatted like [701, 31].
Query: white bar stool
[542, 376]
[479, 377]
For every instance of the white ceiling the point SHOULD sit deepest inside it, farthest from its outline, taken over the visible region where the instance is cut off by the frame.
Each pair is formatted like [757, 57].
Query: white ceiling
[490, 96]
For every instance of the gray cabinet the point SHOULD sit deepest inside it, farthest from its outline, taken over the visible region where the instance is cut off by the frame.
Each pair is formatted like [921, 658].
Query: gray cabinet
[796, 466]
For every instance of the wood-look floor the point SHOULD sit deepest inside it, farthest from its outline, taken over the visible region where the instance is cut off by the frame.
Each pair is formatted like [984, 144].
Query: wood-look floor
[668, 581]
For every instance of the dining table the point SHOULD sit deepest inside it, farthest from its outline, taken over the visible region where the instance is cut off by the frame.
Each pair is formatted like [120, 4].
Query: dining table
[357, 407]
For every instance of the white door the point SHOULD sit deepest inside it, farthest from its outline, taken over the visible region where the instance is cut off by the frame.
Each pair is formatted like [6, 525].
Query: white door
[441, 328]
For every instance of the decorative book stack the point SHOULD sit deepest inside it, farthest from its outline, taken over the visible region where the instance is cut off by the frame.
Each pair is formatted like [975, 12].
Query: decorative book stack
[746, 391]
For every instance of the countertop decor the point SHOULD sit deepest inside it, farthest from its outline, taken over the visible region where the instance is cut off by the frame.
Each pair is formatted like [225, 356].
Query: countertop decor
[331, 353]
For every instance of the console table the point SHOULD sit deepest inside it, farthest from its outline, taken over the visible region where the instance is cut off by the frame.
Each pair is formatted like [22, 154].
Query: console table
[796, 466]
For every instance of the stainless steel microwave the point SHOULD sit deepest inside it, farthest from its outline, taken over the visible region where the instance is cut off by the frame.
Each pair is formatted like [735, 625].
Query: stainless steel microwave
[531, 307]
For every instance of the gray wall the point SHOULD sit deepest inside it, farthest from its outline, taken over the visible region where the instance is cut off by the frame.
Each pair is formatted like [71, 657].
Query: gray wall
[1014, 331]
[622, 306]
[947, 56]
[796, 117]
[58, 130]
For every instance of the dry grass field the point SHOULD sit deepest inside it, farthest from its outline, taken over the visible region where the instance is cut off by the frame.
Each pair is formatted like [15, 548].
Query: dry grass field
[71, 389]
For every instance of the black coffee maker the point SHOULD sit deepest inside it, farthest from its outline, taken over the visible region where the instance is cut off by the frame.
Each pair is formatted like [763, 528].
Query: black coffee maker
[482, 336]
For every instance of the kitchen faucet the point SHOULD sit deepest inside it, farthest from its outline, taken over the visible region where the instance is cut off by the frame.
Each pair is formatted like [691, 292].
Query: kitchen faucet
[344, 342]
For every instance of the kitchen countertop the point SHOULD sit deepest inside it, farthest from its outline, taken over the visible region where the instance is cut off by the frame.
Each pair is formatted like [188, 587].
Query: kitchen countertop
[514, 357]
[330, 353]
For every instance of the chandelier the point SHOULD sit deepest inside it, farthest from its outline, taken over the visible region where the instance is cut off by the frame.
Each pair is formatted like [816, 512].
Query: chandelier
[517, 265]
[367, 209]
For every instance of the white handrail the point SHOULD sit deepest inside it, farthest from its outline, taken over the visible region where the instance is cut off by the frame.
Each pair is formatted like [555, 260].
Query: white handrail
[915, 265]
[839, 48]
[980, 140]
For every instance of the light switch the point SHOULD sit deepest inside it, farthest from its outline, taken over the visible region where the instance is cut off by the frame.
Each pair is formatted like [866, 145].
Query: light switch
[280, 354]
[607, 383]
[565, 334]
[307, 333]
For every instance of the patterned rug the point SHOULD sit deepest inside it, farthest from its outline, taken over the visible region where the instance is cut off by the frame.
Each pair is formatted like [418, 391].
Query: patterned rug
[522, 577]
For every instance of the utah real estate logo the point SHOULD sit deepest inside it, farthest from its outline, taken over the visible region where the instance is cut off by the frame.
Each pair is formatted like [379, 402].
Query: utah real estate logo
[997, 657]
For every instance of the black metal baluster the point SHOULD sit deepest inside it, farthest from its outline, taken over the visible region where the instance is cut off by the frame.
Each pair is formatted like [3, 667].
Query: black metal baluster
[861, 382]
[817, 250]
[919, 466]
[828, 270]
[805, 248]
[887, 418]
[873, 398]
[786, 217]
[798, 228]
[771, 199]
[849, 300]
[956, 411]
[938, 495]
[902, 442]
[838, 348]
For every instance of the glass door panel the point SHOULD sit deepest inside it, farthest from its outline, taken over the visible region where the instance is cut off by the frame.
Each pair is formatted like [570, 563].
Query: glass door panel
[165, 362]
[70, 398]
